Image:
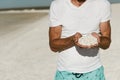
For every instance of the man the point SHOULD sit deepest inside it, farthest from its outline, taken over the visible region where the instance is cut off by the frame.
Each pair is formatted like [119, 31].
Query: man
[69, 21]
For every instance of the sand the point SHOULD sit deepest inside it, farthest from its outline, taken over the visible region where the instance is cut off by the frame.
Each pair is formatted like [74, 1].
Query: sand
[24, 47]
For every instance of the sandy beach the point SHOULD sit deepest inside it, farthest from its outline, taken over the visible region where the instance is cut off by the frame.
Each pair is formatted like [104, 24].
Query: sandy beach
[24, 47]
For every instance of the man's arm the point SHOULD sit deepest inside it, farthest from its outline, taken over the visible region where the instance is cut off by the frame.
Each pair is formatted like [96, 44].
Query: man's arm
[105, 38]
[57, 43]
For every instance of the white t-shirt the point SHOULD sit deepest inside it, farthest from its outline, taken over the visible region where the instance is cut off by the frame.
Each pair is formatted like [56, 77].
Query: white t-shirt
[84, 19]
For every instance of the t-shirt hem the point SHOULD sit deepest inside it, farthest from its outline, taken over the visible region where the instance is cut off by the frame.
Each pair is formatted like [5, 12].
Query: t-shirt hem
[81, 70]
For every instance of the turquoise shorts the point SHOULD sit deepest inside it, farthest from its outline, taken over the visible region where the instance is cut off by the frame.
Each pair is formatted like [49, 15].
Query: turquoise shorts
[97, 74]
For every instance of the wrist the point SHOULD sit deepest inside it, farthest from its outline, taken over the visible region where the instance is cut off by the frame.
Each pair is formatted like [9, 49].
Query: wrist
[104, 42]
[73, 39]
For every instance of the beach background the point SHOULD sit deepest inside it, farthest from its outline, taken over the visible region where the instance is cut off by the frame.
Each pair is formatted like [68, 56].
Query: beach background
[24, 47]
[21, 4]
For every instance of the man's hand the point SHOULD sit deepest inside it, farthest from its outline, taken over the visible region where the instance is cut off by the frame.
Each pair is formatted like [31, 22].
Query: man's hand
[76, 37]
[96, 35]
[58, 44]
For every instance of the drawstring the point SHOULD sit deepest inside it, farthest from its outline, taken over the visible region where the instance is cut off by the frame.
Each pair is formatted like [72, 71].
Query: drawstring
[77, 75]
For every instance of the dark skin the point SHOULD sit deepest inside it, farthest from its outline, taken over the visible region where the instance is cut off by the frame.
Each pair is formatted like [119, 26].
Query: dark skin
[81, 0]
[105, 38]
[77, 3]
[58, 44]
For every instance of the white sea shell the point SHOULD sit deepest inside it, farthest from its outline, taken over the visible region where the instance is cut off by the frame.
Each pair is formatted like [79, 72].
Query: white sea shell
[88, 40]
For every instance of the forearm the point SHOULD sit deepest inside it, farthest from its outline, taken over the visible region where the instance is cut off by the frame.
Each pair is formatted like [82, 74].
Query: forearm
[104, 42]
[61, 44]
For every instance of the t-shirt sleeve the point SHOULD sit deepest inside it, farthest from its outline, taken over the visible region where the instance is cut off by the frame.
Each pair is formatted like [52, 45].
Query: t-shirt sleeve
[106, 12]
[54, 17]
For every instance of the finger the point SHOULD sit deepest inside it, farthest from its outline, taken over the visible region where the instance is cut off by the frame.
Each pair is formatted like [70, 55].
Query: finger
[78, 35]
[96, 35]
[94, 46]
[75, 40]
[84, 46]
[78, 44]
